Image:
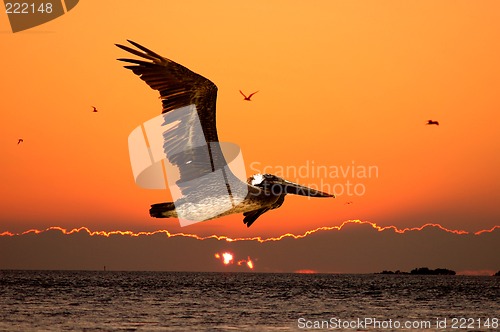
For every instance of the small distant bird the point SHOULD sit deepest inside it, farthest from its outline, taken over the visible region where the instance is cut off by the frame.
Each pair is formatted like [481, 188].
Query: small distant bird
[348, 203]
[20, 141]
[249, 96]
[432, 122]
[95, 109]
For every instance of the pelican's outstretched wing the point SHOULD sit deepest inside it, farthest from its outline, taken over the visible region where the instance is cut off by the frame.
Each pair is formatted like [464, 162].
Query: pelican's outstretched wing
[178, 86]
[190, 139]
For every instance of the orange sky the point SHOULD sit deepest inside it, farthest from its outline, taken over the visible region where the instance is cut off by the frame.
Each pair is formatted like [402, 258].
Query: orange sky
[340, 82]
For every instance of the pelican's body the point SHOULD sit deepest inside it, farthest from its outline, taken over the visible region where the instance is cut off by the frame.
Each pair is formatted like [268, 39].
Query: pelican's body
[432, 122]
[265, 192]
[180, 87]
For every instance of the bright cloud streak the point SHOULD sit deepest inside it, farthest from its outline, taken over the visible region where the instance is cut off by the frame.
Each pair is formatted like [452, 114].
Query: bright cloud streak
[256, 238]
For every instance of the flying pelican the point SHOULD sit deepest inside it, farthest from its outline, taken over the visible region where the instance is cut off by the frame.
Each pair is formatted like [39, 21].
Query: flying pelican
[180, 87]
[432, 122]
[20, 141]
[249, 96]
[95, 109]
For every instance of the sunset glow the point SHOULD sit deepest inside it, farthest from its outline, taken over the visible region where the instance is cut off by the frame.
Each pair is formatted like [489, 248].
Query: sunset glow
[376, 105]
[227, 258]
[248, 262]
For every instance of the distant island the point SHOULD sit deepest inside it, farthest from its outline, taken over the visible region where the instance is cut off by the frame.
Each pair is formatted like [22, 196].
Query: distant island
[497, 274]
[423, 271]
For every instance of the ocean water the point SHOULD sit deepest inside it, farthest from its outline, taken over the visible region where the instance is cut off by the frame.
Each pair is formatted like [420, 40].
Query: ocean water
[174, 301]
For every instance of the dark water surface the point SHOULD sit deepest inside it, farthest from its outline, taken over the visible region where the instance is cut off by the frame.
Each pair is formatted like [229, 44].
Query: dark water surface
[171, 301]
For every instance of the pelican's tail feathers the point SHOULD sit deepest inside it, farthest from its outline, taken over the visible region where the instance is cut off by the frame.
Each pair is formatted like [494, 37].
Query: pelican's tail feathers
[163, 210]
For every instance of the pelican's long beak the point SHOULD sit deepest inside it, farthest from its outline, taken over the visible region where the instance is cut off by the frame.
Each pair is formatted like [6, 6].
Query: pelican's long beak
[297, 189]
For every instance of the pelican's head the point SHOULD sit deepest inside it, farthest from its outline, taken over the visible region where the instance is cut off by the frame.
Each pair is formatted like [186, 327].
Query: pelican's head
[279, 186]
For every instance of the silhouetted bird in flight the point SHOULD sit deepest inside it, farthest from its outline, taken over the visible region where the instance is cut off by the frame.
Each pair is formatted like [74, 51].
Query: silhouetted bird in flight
[180, 88]
[95, 109]
[249, 96]
[432, 122]
[20, 141]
